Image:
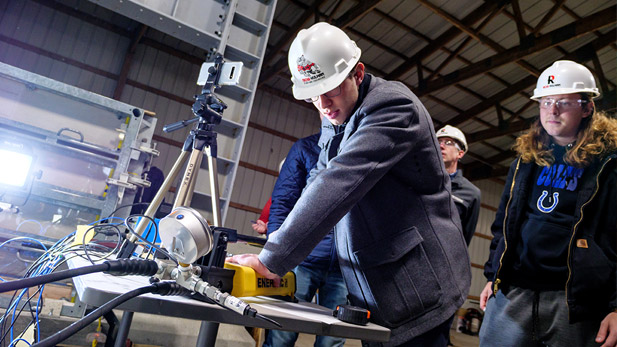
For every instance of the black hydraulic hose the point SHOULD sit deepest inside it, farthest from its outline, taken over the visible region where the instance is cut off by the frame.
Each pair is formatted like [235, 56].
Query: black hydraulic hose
[269, 320]
[117, 267]
[162, 288]
[251, 239]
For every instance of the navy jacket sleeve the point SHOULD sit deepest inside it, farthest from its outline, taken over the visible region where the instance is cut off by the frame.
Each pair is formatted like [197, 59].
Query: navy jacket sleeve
[292, 180]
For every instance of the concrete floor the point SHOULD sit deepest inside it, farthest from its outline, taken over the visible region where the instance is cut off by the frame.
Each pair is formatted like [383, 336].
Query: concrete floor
[457, 339]
[463, 340]
[153, 330]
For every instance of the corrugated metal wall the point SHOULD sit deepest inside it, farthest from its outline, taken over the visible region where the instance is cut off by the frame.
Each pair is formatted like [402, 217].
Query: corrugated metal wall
[56, 44]
[479, 247]
[28, 29]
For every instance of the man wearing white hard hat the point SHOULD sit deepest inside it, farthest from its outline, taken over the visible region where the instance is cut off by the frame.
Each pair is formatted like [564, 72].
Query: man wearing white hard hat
[465, 194]
[552, 263]
[319, 275]
[381, 183]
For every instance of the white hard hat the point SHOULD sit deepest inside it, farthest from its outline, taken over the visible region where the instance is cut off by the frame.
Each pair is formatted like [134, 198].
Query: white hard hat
[455, 133]
[320, 58]
[565, 77]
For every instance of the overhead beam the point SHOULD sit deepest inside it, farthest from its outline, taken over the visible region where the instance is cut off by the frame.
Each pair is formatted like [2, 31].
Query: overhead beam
[599, 72]
[438, 100]
[281, 65]
[512, 128]
[452, 54]
[482, 11]
[485, 40]
[355, 13]
[490, 102]
[128, 61]
[582, 54]
[559, 5]
[531, 45]
[573, 14]
[480, 170]
[518, 19]
[462, 45]
[334, 10]
[547, 17]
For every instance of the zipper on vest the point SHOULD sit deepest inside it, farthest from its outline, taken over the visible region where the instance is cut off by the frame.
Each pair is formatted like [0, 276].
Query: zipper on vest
[505, 240]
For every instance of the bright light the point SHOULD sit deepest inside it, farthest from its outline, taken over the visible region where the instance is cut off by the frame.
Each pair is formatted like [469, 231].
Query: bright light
[14, 168]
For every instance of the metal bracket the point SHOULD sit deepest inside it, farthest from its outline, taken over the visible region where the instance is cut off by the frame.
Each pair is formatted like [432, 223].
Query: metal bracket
[129, 182]
[150, 150]
[77, 309]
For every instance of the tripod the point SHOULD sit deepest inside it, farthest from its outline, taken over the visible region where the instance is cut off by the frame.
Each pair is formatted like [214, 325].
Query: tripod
[208, 109]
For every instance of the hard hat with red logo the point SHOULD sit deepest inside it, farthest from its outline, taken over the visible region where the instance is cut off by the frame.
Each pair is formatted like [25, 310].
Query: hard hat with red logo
[565, 77]
[454, 133]
[320, 58]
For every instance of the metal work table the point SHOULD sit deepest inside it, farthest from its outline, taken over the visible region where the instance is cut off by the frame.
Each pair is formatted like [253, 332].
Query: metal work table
[99, 288]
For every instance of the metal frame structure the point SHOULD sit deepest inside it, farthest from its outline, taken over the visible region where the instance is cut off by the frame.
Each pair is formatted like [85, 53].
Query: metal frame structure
[130, 156]
[239, 31]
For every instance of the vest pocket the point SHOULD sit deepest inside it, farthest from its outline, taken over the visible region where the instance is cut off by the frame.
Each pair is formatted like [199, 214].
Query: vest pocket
[399, 277]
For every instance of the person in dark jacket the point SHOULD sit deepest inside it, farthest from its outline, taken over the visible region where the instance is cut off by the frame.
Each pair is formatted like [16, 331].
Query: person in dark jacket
[466, 195]
[320, 270]
[551, 270]
[381, 183]
[260, 226]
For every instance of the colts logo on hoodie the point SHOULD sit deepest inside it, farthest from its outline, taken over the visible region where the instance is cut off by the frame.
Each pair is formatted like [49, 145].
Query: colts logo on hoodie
[558, 177]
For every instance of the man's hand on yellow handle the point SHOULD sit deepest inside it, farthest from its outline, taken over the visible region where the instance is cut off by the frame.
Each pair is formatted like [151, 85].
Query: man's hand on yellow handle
[252, 261]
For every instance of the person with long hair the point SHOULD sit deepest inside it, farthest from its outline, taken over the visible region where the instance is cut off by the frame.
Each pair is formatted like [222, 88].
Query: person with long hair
[552, 265]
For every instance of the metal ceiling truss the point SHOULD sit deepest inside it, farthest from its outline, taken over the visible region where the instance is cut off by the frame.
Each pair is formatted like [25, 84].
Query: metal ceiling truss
[532, 41]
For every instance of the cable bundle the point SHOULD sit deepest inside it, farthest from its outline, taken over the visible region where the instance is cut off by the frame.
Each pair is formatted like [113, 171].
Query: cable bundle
[43, 271]
[52, 258]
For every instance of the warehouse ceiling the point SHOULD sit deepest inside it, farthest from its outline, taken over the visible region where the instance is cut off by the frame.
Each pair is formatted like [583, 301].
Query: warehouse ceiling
[474, 64]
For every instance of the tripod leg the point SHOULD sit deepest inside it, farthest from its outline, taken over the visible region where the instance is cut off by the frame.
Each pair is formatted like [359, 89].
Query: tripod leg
[214, 188]
[160, 194]
[189, 195]
[185, 194]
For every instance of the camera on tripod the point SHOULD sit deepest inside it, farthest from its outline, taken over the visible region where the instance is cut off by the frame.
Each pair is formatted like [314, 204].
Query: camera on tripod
[229, 73]
[208, 108]
[207, 105]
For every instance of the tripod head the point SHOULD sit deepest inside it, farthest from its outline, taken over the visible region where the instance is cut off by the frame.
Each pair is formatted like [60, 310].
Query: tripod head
[208, 108]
